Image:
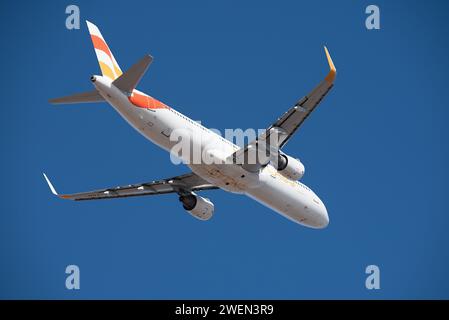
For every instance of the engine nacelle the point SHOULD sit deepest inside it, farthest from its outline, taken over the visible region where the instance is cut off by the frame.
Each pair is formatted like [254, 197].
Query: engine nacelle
[289, 167]
[199, 207]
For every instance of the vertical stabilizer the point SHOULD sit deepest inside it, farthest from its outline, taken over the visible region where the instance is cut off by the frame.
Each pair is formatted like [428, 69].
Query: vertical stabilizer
[108, 65]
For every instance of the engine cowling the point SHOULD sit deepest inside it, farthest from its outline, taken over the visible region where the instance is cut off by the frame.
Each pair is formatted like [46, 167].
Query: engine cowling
[289, 167]
[199, 207]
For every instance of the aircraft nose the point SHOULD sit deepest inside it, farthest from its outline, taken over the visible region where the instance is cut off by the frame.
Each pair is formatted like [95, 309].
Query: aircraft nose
[322, 218]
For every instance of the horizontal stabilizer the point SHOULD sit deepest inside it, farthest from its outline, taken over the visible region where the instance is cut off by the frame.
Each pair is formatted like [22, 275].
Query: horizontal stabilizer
[129, 80]
[85, 97]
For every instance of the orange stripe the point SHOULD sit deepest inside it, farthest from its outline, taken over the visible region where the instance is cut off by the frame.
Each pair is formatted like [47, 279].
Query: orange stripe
[158, 105]
[101, 45]
[147, 102]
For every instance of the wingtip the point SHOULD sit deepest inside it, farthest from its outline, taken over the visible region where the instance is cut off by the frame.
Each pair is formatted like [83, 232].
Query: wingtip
[53, 190]
[148, 57]
[333, 71]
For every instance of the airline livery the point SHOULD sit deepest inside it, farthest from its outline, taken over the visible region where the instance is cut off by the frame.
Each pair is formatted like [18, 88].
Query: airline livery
[259, 170]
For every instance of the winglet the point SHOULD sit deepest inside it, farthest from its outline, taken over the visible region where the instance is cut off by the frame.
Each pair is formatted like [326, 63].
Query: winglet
[50, 185]
[333, 72]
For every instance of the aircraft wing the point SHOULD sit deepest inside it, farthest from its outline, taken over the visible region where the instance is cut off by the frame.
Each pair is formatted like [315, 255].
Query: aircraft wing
[291, 120]
[180, 184]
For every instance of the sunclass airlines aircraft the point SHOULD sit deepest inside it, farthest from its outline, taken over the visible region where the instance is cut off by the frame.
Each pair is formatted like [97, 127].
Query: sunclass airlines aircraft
[271, 179]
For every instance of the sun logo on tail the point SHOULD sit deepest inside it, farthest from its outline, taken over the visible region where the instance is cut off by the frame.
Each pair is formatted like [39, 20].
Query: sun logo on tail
[108, 65]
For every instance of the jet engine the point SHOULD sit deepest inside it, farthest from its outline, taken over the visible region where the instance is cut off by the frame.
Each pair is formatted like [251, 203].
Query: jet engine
[199, 207]
[289, 167]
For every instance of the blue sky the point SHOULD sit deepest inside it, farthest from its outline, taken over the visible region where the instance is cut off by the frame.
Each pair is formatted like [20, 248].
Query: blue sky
[375, 151]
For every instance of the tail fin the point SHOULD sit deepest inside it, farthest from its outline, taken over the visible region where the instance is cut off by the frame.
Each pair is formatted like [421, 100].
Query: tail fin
[108, 65]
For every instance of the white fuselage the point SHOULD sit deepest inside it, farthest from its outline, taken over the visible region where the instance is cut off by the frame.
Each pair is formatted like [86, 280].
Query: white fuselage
[291, 199]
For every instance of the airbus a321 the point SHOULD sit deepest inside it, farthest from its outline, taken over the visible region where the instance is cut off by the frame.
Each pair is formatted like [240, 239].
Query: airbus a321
[272, 179]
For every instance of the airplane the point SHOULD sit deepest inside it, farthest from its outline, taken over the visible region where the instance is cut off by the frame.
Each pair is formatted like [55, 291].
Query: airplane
[272, 179]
